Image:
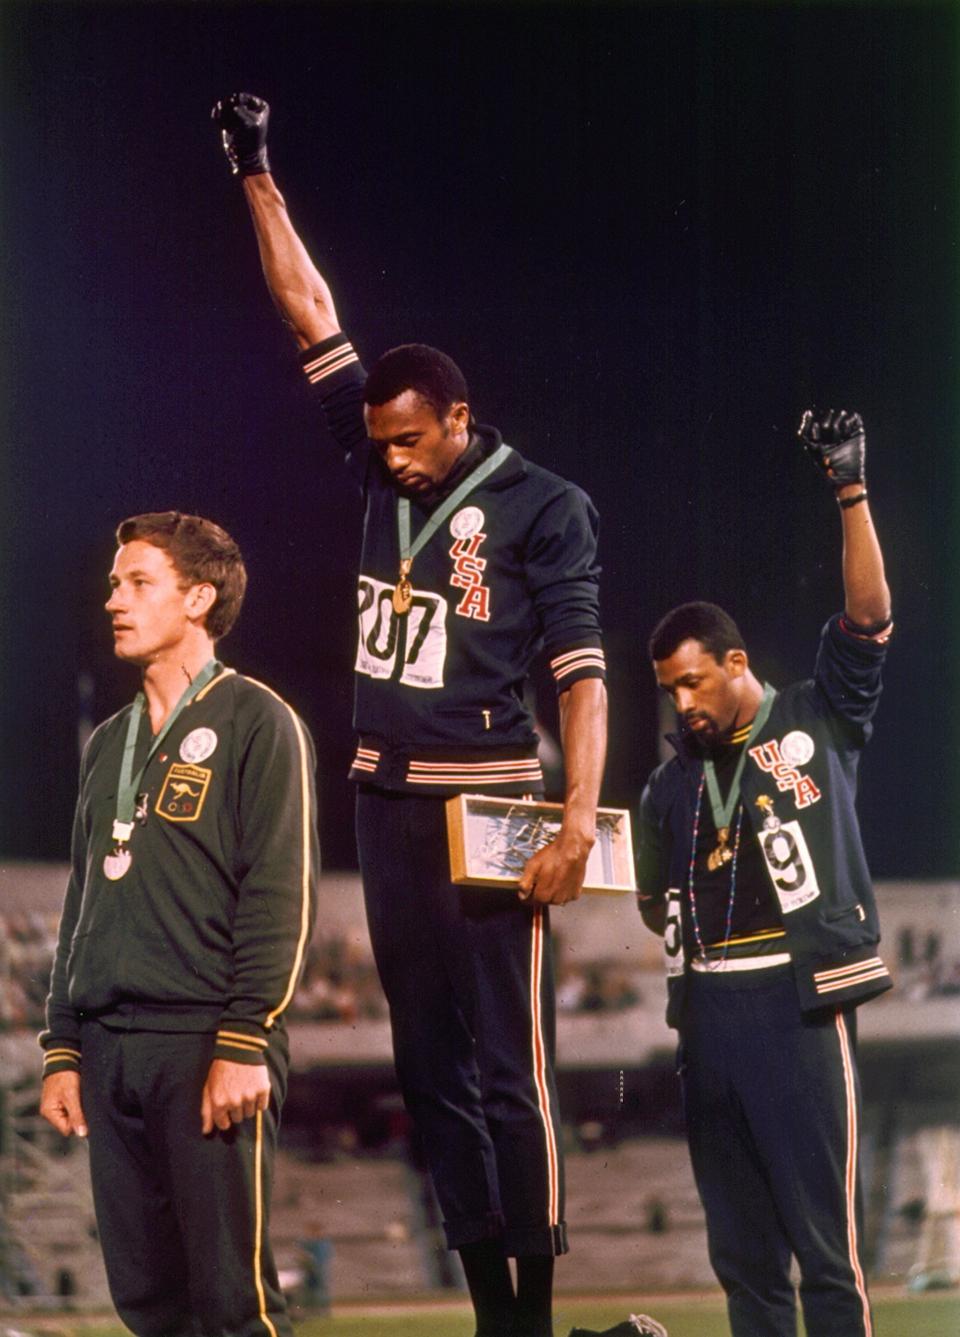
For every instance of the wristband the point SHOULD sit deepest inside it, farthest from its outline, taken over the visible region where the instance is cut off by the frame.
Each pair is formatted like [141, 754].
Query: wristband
[847, 502]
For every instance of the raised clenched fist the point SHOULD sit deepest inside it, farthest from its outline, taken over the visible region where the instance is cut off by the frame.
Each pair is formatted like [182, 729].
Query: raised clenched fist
[837, 443]
[242, 118]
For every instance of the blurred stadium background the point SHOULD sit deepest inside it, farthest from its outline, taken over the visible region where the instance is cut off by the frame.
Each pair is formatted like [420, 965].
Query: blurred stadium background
[354, 1217]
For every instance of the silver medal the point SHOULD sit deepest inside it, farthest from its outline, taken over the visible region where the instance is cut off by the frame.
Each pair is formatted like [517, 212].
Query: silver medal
[117, 862]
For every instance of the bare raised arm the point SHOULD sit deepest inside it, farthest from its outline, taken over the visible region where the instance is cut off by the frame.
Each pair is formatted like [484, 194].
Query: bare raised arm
[299, 291]
[837, 443]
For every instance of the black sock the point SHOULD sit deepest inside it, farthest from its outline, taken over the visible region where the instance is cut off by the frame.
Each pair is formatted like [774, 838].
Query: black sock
[535, 1296]
[491, 1287]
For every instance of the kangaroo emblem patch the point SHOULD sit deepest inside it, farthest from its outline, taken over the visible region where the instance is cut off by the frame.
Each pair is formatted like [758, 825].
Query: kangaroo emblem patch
[183, 792]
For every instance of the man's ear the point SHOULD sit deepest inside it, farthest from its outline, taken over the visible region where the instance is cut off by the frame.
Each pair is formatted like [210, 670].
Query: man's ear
[458, 417]
[200, 599]
[736, 663]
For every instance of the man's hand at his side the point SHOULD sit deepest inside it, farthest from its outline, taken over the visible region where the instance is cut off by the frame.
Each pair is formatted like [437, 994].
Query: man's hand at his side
[60, 1103]
[554, 875]
[233, 1092]
[243, 119]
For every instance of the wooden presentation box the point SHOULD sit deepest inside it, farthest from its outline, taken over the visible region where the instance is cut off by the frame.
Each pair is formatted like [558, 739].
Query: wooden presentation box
[491, 839]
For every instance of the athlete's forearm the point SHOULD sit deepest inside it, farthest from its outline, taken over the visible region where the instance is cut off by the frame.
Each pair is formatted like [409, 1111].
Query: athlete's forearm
[867, 595]
[583, 732]
[299, 290]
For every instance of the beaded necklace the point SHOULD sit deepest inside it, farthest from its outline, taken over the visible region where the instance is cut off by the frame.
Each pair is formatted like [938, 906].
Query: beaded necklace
[691, 895]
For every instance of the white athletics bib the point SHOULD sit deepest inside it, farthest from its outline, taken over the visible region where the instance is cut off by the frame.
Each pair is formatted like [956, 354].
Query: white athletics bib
[673, 935]
[789, 864]
[425, 628]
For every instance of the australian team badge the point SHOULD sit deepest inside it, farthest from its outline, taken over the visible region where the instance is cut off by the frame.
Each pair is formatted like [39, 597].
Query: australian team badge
[183, 792]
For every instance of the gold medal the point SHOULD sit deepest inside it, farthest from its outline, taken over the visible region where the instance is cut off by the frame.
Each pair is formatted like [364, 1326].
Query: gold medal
[403, 593]
[723, 853]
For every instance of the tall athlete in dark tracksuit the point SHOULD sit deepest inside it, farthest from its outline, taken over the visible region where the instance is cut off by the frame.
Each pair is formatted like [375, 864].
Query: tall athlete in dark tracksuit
[471, 558]
[184, 929]
[752, 866]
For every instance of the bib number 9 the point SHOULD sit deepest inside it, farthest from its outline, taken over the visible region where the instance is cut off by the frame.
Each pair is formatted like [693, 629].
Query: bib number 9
[790, 867]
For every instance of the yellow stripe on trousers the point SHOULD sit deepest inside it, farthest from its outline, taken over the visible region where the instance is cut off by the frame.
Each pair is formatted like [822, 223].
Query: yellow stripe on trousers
[258, 1226]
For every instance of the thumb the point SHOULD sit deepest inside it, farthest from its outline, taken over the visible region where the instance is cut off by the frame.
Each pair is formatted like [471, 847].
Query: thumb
[206, 1111]
[78, 1120]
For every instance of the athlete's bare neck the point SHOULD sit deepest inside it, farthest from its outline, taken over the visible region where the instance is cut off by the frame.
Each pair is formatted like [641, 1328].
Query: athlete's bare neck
[168, 676]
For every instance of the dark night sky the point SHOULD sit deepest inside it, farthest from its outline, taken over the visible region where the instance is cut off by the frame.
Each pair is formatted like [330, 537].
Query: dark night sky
[651, 235]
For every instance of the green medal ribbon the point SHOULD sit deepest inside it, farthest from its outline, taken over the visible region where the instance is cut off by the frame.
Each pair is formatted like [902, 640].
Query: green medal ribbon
[130, 783]
[722, 812]
[402, 593]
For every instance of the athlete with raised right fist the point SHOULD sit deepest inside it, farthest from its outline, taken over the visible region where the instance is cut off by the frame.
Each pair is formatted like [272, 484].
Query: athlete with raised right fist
[473, 558]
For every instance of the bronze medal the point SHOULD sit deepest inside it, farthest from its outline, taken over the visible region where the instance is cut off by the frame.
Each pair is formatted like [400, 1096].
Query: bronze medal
[723, 853]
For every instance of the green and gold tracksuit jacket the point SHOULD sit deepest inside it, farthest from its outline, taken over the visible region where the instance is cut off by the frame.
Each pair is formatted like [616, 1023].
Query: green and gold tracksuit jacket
[207, 930]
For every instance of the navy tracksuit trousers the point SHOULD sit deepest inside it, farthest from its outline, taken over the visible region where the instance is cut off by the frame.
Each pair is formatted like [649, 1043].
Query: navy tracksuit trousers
[468, 974]
[182, 1217]
[772, 1106]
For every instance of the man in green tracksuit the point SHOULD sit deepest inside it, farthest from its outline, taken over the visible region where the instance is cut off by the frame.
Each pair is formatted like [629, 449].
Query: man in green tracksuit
[184, 930]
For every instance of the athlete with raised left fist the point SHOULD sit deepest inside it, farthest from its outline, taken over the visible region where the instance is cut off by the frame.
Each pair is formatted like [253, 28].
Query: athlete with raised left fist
[752, 868]
[473, 558]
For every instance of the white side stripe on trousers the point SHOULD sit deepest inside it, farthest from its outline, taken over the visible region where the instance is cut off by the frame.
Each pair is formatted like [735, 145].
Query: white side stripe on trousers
[853, 1244]
[540, 1067]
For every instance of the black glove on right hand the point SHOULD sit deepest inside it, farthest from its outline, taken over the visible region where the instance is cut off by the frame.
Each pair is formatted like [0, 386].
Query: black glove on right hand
[838, 445]
[242, 118]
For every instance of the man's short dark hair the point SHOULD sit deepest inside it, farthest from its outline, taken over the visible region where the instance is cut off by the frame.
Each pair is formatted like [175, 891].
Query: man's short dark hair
[715, 630]
[435, 377]
[202, 554]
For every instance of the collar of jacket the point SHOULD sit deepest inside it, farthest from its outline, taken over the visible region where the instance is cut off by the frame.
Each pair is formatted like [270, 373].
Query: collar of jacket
[685, 746]
[483, 442]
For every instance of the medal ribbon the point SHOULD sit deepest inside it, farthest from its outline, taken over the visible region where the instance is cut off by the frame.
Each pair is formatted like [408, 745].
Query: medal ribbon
[483, 471]
[130, 783]
[722, 812]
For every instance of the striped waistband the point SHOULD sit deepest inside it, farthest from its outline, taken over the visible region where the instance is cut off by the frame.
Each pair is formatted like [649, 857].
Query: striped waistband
[521, 774]
[733, 963]
[520, 770]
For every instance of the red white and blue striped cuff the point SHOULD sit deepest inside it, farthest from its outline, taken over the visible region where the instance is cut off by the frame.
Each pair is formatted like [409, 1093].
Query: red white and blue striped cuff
[847, 977]
[586, 662]
[367, 759]
[322, 360]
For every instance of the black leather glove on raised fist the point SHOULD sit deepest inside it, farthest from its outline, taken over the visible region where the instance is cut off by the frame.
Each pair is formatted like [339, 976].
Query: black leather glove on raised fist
[837, 443]
[242, 118]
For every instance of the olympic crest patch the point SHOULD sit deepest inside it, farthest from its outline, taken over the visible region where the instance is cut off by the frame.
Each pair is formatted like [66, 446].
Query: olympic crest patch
[198, 745]
[183, 792]
[467, 522]
[796, 748]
